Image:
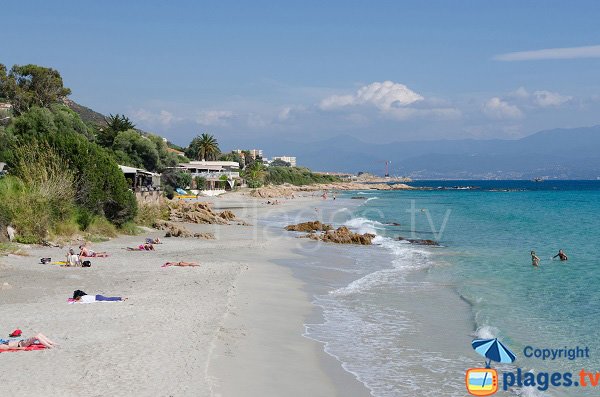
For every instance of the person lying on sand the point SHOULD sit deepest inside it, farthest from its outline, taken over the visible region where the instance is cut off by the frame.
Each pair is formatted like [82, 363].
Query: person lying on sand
[73, 259]
[82, 297]
[192, 264]
[24, 343]
[535, 261]
[561, 255]
[88, 253]
[150, 240]
[141, 247]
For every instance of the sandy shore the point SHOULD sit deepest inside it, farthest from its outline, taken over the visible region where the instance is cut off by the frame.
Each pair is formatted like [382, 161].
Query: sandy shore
[231, 327]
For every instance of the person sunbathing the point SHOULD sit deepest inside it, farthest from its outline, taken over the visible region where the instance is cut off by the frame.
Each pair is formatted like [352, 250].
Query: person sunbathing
[88, 253]
[80, 296]
[141, 247]
[192, 264]
[25, 343]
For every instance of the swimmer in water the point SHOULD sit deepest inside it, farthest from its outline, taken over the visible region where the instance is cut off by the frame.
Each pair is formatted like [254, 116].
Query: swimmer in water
[561, 255]
[535, 261]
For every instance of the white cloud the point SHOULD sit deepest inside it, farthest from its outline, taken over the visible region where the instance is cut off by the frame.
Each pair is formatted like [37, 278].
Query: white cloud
[384, 96]
[592, 51]
[214, 117]
[498, 109]
[541, 98]
[549, 99]
[162, 117]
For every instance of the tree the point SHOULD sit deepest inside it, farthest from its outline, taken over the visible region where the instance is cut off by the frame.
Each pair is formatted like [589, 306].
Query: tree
[233, 156]
[31, 85]
[131, 148]
[203, 147]
[280, 163]
[100, 186]
[255, 174]
[176, 179]
[114, 125]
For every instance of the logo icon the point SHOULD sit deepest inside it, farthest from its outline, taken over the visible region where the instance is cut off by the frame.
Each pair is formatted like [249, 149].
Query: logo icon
[484, 381]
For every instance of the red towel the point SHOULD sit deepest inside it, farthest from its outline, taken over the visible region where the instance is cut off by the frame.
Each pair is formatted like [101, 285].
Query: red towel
[32, 347]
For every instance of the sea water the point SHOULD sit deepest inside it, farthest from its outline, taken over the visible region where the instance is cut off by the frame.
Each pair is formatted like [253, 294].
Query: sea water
[400, 316]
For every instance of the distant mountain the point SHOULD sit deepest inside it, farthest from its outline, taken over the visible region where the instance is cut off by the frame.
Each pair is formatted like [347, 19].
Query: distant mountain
[559, 153]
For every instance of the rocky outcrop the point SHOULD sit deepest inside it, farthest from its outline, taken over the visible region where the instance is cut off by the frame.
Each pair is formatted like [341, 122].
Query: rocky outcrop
[310, 227]
[227, 215]
[287, 190]
[343, 235]
[200, 212]
[174, 230]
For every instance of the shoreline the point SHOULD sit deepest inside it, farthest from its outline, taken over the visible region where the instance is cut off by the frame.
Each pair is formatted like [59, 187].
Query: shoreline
[217, 320]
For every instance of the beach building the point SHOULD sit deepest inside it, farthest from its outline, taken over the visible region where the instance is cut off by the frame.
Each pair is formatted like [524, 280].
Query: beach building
[287, 159]
[144, 184]
[215, 173]
[254, 153]
[141, 180]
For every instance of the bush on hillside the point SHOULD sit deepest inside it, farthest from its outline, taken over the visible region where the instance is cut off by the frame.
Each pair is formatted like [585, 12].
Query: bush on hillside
[100, 186]
[296, 176]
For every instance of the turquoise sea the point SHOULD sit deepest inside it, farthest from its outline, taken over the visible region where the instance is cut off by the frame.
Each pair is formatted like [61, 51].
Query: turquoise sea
[400, 316]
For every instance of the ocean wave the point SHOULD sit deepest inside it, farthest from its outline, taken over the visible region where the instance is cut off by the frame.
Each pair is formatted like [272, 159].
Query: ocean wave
[364, 225]
[487, 332]
[371, 198]
[406, 258]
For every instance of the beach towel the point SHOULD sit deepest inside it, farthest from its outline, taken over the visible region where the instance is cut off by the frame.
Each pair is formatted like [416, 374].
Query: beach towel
[72, 301]
[59, 263]
[35, 346]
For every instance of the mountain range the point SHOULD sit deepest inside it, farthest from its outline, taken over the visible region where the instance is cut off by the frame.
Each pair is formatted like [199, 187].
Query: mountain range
[567, 153]
[552, 154]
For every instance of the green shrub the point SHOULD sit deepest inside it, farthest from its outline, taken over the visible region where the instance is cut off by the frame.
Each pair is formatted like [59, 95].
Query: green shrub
[130, 229]
[24, 209]
[149, 213]
[83, 217]
[100, 186]
[100, 227]
[296, 176]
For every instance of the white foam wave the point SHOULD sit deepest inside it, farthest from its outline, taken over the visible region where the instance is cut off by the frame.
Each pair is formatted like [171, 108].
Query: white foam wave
[371, 198]
[406, 258]
[364, 225]
[487, 332]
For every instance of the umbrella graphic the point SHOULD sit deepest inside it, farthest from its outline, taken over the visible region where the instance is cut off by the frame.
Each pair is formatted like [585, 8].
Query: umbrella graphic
[493, 350]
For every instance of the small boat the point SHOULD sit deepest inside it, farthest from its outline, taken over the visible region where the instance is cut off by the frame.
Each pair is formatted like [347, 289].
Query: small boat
[537, 180]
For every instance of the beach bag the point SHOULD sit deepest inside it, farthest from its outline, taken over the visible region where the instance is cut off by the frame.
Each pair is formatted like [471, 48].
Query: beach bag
[43, 261]
[86, 264]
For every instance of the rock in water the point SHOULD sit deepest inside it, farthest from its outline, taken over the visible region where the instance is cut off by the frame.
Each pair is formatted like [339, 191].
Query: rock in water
[311, 226]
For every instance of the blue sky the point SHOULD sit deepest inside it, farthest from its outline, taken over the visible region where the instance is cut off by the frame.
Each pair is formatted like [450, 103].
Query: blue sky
[308, 70]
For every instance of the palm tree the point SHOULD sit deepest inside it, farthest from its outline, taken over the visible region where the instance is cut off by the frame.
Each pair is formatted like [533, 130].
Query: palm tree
[255, 174]
[208, 147]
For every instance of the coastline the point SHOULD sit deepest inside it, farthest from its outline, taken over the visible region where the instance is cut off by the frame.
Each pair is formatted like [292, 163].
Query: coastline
[231, 327]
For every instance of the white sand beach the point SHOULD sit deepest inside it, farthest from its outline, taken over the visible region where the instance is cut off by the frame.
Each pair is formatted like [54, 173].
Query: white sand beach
[231, 327]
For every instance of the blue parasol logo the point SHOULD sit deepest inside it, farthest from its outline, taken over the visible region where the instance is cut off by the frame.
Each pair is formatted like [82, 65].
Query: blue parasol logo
[493, 350]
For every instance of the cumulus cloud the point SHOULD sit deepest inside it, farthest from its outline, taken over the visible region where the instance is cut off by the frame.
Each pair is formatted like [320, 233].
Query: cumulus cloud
[384, 96]
[161, 117]
[592, 51]
[498, 109]
[214, 117]
[541, 98]
[549, 99]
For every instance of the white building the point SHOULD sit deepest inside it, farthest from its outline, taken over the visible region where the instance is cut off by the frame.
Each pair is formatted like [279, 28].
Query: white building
[254, 153]
[287, 159]
[212, 171]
